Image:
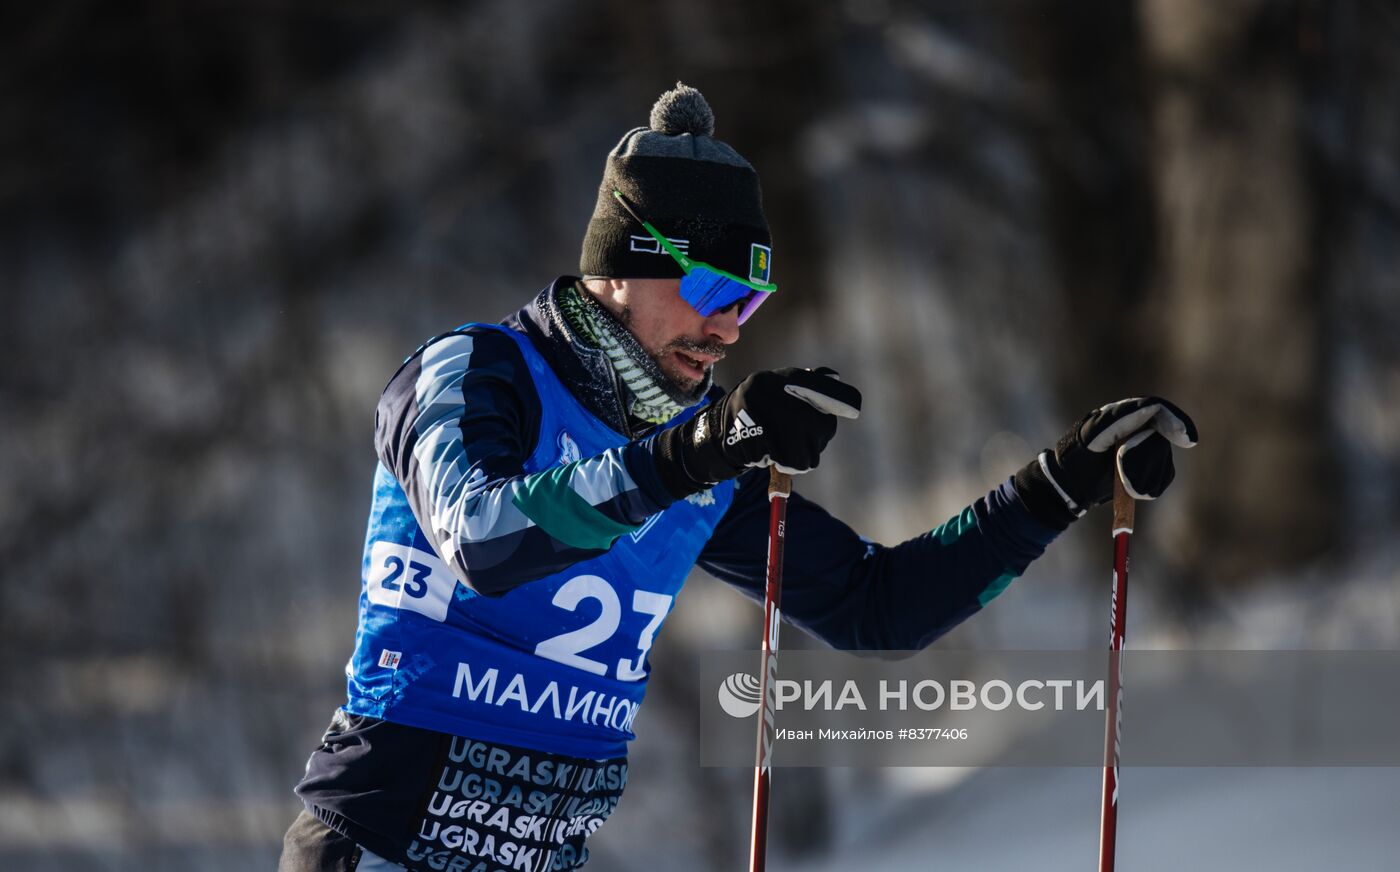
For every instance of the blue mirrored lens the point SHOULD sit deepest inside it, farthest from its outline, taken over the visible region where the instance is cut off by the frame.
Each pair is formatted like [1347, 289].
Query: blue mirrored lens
[709, 292]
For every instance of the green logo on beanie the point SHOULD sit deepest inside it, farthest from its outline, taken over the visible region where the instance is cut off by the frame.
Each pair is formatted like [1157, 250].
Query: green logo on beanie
[760, 263]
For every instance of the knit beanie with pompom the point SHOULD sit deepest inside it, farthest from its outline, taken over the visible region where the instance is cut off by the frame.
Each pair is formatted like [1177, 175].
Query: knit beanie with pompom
[697, 191]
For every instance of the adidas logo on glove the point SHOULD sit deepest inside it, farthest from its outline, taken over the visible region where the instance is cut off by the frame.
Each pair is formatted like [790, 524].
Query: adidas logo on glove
[743, 428]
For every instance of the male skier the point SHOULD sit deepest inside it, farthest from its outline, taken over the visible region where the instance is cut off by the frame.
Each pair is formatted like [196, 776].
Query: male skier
[546, 484]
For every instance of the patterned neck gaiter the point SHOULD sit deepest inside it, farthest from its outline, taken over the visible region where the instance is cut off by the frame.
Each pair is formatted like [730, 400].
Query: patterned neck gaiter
[655, 398]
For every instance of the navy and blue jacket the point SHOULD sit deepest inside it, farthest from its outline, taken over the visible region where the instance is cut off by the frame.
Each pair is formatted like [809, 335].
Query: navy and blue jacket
[512, 491]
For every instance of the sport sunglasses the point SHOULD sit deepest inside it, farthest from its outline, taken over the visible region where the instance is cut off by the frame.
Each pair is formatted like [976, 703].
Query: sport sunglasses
[708, 289]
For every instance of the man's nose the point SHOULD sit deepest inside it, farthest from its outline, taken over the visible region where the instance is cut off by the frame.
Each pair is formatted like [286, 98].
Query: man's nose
[723, 326]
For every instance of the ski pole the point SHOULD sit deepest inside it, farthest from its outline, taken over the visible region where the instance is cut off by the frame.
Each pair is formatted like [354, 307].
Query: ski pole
[1123, 510]
[779, 487]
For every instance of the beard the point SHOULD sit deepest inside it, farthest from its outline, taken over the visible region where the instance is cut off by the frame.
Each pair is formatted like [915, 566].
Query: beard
[686, 390]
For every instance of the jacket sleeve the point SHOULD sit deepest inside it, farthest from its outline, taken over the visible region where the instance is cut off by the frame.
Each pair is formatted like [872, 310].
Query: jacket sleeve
[456, 425]
[861, 596]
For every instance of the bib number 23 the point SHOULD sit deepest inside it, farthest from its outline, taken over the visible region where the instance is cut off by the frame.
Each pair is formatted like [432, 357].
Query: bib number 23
[402, 577]
[568, 648]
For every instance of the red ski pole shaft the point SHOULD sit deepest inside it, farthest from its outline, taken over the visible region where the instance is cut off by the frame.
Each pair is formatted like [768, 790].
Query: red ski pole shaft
[779, 486]
[1123, 511]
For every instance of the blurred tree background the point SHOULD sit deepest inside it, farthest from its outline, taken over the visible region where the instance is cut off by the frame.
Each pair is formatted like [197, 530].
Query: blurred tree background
[222, 225]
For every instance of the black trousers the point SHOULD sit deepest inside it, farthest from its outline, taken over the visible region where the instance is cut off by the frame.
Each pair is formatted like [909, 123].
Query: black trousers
[311, 846]
[470, 805]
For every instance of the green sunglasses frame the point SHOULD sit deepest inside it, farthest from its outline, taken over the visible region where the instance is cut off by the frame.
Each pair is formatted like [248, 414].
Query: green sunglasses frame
[687, 263]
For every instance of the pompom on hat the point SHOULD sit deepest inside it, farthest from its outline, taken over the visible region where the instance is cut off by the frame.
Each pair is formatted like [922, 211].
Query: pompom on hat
[694, 189]
[683, 110]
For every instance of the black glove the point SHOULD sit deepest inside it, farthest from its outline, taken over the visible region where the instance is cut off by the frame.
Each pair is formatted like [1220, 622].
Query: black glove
[1077, 474]
[782, 418]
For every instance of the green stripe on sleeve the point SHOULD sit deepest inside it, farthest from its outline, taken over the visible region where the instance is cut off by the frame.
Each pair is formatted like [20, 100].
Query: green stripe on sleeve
[993, 590]
[557, 509]
[951, 531]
